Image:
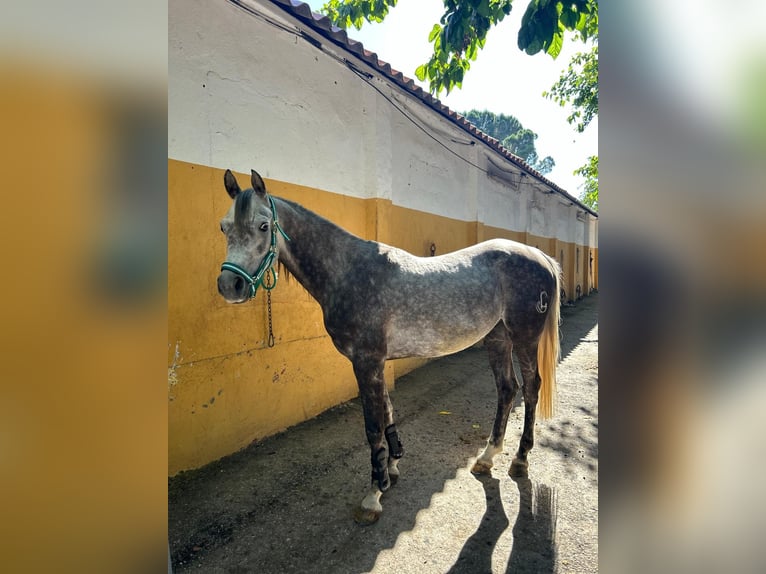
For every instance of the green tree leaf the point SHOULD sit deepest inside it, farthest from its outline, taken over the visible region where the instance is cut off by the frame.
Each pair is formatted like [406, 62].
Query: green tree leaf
[589, 194]
[557, 43]
[578, 86]
[435, 31]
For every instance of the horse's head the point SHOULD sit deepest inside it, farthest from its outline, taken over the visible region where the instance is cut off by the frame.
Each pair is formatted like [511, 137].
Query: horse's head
[250, 233]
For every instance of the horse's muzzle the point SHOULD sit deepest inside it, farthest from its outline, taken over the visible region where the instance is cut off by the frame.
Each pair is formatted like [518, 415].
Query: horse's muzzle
[233, 288]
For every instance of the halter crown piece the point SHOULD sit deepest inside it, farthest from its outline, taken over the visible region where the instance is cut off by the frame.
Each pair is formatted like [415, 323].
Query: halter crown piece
[267, 264]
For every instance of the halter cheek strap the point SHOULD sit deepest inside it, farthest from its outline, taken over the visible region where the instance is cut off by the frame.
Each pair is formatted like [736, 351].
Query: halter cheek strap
[267, 264]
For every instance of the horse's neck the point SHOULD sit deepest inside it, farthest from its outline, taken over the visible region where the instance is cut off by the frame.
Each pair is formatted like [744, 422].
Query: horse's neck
[318, 252]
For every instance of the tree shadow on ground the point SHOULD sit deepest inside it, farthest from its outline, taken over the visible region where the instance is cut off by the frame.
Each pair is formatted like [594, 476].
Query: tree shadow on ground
[285, 504]
[576, 323]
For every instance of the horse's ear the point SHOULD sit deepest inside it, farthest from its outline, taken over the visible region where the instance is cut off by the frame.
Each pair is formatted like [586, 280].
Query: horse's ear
[258, 186]
[232, 187]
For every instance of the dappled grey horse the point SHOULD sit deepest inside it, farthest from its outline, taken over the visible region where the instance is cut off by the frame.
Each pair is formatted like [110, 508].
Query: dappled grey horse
[380, 303]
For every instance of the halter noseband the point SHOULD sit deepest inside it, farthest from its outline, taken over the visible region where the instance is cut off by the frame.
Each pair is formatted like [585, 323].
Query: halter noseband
[267, 264]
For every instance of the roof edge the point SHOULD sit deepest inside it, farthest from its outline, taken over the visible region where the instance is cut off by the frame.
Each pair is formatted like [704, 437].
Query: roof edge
[323, 26]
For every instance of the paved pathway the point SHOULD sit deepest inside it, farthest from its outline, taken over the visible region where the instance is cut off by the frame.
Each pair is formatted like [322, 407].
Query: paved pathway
[285, 505]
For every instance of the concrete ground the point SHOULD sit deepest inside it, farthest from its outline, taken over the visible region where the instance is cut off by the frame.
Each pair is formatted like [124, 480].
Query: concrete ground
[284, 505]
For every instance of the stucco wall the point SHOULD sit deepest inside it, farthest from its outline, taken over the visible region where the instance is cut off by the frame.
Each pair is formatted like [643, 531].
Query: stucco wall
[244, 94]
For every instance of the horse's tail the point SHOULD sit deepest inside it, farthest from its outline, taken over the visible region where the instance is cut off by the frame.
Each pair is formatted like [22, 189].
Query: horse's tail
[548, 349]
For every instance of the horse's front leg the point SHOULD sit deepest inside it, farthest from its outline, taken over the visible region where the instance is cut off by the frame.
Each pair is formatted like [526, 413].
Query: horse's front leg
[395, 448]
[375, 403]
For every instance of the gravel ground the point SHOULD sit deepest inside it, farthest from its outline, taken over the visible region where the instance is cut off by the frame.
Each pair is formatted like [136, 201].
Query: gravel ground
[284, 505]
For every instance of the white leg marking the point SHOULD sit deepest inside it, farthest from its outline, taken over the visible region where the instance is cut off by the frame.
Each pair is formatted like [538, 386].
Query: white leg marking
[372, 500]
[490, 451]
[393, 469]
[484, 464]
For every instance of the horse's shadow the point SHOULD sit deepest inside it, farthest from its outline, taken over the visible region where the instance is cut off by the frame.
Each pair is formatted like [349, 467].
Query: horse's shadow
[534, 532]
[476, 555]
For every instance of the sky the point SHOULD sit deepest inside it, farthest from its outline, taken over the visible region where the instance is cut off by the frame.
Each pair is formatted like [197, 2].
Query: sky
[502, 79]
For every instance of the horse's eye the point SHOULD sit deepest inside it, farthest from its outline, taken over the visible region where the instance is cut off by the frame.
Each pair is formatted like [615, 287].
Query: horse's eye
[264, 226]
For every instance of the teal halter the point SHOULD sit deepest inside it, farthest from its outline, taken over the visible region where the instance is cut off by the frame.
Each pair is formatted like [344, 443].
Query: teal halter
[267, 265]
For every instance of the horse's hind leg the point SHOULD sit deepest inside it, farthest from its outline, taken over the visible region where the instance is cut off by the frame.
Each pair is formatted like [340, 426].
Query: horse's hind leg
[527, 355]
[499, 349]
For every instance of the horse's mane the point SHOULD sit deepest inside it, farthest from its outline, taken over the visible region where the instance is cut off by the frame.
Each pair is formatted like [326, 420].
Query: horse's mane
[284, 273]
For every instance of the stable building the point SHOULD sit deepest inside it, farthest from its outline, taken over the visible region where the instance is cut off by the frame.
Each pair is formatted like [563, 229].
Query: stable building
[270, 86]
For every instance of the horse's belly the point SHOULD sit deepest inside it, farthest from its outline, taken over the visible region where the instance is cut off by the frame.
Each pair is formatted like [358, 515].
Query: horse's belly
[426, 341]
[429, 348]
[444, 313]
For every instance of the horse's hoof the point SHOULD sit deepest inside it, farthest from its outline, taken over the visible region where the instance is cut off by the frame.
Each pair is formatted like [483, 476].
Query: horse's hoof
[394, 478]
[481, 467]
[366, 516]
[519, 469]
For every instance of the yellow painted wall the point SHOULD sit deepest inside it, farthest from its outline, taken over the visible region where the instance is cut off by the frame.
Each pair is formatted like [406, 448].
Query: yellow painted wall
[226, 388]
[595, 268]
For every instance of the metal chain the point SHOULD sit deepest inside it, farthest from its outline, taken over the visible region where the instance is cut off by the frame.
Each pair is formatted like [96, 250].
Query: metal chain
[268, 306]
[271, 331]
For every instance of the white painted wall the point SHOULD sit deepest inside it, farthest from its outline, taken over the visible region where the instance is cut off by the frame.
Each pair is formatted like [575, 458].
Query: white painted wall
[244, 94]
[592, 232]
[501, 204]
